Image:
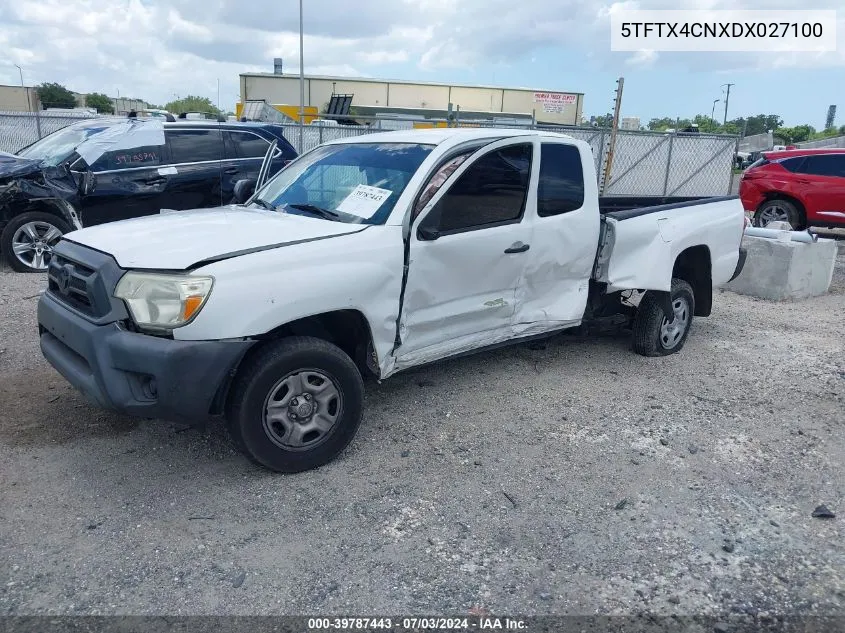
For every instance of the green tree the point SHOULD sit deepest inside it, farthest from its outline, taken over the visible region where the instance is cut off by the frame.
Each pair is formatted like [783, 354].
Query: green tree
[52, 95]
[192, 103]
[803, 133]
[785, 134]
[757, 124]
[668, 123]
[100, 102]
[706, 125]
[842, 130]
[795, 134]
[661, 123]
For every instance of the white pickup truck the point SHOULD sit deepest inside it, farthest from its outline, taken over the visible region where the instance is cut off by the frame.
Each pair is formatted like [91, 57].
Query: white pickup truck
[368, 256]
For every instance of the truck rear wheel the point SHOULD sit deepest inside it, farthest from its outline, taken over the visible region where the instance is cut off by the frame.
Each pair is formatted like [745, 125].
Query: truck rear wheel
[295, 405]
[654, 334]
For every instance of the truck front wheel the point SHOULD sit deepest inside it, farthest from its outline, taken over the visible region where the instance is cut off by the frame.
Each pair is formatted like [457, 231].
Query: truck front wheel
[655, 334]
[295, 404]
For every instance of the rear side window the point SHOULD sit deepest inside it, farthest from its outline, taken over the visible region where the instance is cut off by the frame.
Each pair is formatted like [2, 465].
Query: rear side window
[826, 165]
[561, 185]
[193, 146]
[491, 191]
[247, 145]
[795, 165]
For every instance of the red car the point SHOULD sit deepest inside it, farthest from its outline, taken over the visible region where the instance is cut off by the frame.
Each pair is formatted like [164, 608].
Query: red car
[805, 187]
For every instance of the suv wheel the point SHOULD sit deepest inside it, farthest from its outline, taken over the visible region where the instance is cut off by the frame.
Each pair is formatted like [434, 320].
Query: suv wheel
[779, 211]
[296, 404]
[28, 240]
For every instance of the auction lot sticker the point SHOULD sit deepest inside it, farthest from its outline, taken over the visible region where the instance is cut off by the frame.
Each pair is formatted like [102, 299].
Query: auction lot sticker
[364, 201]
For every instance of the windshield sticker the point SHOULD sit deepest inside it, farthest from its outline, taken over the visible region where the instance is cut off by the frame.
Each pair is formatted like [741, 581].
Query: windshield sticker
[364, 201]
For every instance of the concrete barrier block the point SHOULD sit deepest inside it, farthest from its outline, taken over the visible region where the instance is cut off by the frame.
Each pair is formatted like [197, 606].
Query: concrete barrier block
[778, 269]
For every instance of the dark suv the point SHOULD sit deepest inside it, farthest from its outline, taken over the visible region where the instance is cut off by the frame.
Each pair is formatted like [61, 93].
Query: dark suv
[102, 170]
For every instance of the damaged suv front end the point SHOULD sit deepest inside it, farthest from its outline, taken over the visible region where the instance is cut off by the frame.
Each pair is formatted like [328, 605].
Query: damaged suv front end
[41, 187]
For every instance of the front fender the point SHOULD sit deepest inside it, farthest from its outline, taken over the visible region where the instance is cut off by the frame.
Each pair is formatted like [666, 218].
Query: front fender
[256, 293]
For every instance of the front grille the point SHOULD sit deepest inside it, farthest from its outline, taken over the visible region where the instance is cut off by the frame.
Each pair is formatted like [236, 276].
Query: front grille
[75, 285]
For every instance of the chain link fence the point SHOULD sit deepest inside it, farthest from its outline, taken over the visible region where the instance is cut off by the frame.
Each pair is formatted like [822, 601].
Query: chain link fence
[644, 163]
[19, 129]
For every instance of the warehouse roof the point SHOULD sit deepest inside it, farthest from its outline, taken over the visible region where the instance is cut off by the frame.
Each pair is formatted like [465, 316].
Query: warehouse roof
[406, 81]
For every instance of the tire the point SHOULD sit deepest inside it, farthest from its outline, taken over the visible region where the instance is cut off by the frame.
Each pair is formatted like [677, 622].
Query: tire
[782, 210]
[283, 416]
[652, 334]
[35, 227]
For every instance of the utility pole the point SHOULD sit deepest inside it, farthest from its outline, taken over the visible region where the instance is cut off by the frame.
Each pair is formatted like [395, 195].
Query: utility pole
[301, 85]
[615, 127]
[727, 97]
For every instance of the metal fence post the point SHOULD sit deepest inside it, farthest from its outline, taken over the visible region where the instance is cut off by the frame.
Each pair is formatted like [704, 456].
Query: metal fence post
[34, 107]
[733, 164]
[600, 160]
[668, 164]
[321, 133]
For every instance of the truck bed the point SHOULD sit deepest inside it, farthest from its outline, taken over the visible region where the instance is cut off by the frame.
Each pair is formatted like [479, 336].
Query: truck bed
[640, 245]
[611, 204]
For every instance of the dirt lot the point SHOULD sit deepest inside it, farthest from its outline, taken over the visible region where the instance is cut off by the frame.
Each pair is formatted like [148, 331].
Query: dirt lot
[575, 479]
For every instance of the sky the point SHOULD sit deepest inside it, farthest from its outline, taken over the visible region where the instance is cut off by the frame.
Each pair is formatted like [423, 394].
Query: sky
[158, 50]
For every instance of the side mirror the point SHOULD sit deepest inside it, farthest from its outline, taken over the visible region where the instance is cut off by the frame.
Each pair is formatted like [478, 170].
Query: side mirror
[244, 190]
[427, 233]
[87, 183]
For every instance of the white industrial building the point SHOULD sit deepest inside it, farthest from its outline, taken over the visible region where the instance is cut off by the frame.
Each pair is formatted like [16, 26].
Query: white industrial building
[378, 97]
[630, 123]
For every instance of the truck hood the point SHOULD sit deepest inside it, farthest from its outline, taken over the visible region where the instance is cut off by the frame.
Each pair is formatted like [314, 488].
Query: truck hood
[178, 240]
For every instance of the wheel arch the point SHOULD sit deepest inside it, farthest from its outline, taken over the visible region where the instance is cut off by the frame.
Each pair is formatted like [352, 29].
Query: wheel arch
[780, 195]
[694, 265]
[54, 206]
[349, 329]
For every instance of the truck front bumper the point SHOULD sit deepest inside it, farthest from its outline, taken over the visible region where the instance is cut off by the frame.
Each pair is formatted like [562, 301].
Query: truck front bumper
[133, 373]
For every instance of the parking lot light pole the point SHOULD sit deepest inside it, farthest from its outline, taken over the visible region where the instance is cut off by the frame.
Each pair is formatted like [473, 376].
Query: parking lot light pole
[713, 110]
[32, 106]
[301, 83]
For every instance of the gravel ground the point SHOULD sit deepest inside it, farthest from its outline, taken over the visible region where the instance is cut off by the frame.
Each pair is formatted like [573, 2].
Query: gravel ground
[575, 479]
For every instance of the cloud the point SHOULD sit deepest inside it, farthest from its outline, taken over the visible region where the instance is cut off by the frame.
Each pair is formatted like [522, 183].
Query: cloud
[155, 49]
[642, 59]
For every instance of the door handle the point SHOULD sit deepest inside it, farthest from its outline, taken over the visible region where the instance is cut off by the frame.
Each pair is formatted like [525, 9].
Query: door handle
[231, 170]
[157, 180]
[517, 247]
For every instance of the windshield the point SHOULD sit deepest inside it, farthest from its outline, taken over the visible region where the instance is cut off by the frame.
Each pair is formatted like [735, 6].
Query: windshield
[354, 182]
[56, 147]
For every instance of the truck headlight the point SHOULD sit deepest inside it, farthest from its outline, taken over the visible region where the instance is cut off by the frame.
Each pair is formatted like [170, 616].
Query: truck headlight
[160, 301]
